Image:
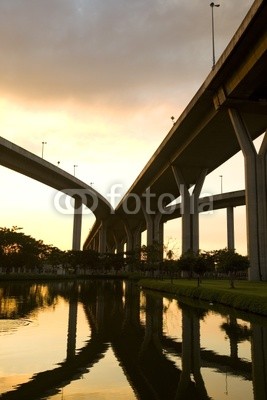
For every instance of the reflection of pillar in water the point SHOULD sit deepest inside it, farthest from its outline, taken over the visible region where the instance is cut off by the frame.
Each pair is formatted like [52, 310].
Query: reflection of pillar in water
[132, 304]
[259, 361]
[190, 358]
[154, 318]
[117, 299]
[100, 307]
[232, 330]
[72, 324]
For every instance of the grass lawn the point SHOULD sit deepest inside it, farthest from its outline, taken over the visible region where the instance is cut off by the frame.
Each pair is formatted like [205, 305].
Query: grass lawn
[247, 296]
[245, 287]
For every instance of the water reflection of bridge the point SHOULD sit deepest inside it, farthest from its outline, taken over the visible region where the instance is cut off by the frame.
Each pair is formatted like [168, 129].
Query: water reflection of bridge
[112, 309]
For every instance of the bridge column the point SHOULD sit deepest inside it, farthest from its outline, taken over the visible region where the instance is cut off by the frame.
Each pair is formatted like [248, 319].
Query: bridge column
[119, 244]
[133, 237]
[95, 244]
[102, 245]
[129, 241]
[256, 197]
[230, 228]
[137, 238]
[77, 224]
[154, 228]
[189, 210]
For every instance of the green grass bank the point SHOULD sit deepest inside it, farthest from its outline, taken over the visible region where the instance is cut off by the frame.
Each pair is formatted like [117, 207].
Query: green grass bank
[246, 296]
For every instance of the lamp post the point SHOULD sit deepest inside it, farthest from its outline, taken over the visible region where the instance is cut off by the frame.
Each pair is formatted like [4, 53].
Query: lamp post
[221, 183]
[212, 32]
[43, 143]
[74, 167]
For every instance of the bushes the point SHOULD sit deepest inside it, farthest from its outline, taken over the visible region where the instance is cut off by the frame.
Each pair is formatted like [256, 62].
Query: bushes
[242, 298]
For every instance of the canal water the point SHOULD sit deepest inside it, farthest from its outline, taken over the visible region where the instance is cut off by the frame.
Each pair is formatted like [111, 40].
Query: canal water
[107, 339]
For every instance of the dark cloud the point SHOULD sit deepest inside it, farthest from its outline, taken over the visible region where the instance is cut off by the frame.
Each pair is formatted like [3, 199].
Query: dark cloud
[119, 50]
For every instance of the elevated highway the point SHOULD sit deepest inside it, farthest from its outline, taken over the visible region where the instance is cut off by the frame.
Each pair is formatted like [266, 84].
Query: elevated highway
[115, 227]
[226, 114]
[28, 164]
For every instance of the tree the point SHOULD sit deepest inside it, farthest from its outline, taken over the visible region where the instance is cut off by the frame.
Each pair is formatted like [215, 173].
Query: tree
[83, 258]
[132, 258]
[55, 256]
[230, 262]
[152, 254]
[197, 263]
[186, 262]
[20, 250]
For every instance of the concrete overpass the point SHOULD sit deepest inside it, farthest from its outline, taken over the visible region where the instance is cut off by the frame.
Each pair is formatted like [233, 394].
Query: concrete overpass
[115, 226]
[226, 114]
[28, 164]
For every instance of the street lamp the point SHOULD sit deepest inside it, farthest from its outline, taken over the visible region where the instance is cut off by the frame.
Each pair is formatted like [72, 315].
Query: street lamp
[43, 143]
[221, 183]
[212, 32]
[74, 166]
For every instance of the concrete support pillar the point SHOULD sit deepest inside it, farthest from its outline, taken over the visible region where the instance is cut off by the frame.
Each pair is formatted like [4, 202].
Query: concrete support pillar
[129, 240]
[230, 228]
[256, 197]
[185, 210]
[133, 241]
[154, 227]
[102, 245]
[77, 224]
[189, 210]
[95, 244]
[119, 244]
[137, 239]
[149, 228]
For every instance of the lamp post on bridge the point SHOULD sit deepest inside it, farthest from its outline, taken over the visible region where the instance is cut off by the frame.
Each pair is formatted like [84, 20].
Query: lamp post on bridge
[212, 5]
[43, 143]
[74, 168]
[221, 177]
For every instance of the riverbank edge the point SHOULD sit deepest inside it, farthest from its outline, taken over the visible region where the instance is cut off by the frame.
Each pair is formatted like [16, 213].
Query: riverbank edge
[188, 289]
[227, 297]
[54, 277]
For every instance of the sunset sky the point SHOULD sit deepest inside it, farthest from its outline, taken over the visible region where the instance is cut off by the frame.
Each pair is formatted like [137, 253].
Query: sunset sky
[99, 81]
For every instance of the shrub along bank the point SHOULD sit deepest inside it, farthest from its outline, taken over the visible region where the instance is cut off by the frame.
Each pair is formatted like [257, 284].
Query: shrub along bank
[246, 296]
